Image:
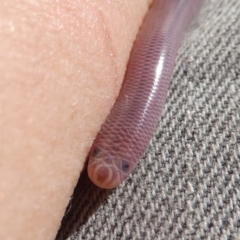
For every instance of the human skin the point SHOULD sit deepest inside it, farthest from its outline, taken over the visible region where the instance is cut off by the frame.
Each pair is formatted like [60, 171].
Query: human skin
[62, 64]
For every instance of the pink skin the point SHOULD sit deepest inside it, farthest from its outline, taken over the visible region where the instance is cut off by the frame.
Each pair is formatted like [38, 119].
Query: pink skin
[128, 129]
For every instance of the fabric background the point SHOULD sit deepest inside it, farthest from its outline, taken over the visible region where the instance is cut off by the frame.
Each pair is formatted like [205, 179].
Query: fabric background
[187, 186]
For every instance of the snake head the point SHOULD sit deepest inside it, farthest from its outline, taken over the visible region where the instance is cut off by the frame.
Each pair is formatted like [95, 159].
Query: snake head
[106, 170]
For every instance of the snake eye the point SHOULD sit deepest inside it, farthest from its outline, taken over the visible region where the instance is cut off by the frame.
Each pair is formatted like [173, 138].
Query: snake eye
[95, 152]
[125, 166]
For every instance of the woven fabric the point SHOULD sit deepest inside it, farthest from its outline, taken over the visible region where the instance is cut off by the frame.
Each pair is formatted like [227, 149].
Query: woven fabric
[187, 186]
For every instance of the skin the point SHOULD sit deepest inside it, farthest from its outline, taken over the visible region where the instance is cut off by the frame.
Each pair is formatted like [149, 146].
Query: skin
[62, 64]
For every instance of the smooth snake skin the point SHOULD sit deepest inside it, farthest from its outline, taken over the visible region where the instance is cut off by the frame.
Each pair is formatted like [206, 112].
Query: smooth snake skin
[125, 135]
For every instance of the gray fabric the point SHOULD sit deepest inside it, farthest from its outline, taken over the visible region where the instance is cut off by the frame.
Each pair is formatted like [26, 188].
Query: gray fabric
[187, 186]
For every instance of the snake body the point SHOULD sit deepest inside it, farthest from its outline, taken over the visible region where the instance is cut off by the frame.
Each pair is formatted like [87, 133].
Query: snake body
[126, 133]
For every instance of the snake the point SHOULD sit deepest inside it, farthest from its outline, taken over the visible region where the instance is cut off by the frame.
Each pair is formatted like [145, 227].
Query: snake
[129, 127]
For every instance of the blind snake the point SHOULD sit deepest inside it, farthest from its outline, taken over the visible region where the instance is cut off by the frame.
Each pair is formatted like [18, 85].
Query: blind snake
[126, 133]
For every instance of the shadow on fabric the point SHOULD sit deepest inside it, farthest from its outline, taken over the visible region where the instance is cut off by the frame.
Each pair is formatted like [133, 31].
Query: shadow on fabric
[86, 200]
